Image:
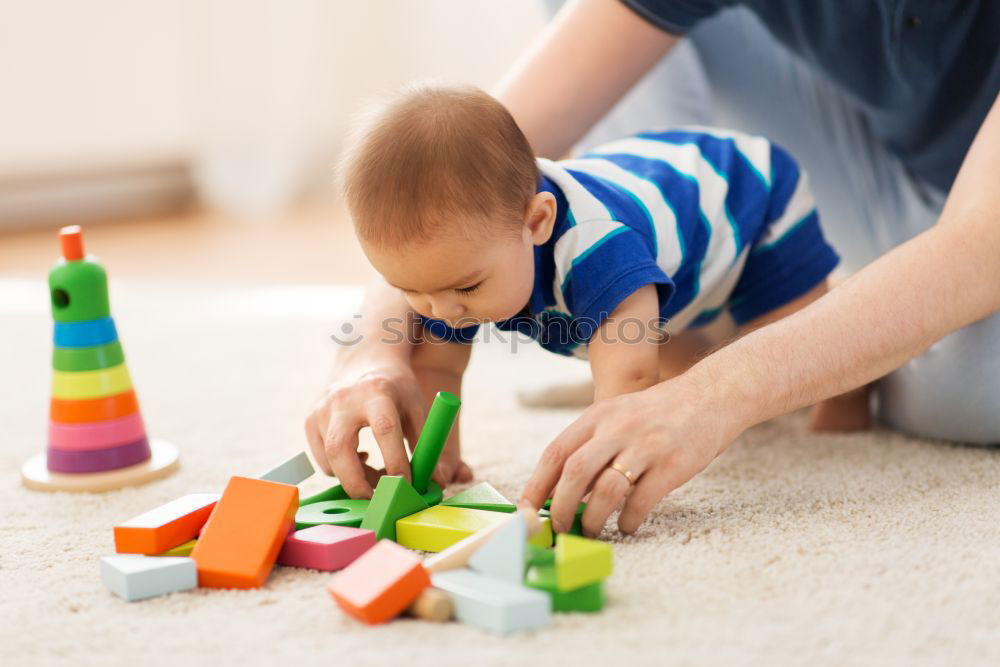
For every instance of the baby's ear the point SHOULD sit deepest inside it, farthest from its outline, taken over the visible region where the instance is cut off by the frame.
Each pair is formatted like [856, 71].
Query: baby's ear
[541, 217]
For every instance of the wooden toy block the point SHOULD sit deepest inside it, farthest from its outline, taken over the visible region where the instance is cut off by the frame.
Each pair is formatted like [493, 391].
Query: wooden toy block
[181, 549]
[94, 409]
[540, 556]
[97, 460]
[347, 512]
[325, 547]
[587, 598]
[85, 333]
[164, 460]
[78, 284]
[580, 561]
[432, 605]
[458, 555]
[98, 434]
[132, 577]
[394, 499]
[293, 471]
[439, 527]
[544, 537]
[493, 604]
[432, 496]
[577, 527]
[166, 526]
[502, 556]
[380, 584]
[433, 437]
[482, 496]
[81, 385]
[244, 534]
[88, 358]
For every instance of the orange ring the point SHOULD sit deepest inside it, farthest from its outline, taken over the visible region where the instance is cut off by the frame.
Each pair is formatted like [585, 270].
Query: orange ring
[63, 411]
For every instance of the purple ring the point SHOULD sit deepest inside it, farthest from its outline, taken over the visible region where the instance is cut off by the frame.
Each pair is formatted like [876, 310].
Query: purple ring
[98, 460]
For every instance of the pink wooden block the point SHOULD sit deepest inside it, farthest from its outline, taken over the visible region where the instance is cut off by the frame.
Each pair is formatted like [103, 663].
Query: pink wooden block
[97, 435]
[325, 547]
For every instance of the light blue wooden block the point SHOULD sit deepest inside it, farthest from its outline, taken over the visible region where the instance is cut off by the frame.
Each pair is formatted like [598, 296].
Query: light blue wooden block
[132, 577]
[503, 555]
[493, 604]
[293, 471]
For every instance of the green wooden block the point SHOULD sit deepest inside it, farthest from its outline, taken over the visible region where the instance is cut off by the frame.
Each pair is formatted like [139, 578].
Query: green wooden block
[79, 291]
[432, 497]
[432, 439]
[577, 527]
[482, 496]
[87, 358]
[394, 499]
[587, 598]
[342, 512]
[539, 556]
[580, 561]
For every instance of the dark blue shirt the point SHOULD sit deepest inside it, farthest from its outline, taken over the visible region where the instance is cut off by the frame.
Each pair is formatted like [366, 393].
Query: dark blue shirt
[924, 72]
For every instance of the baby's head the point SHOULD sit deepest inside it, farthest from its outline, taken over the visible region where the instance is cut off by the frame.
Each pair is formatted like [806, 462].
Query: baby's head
[442, 187]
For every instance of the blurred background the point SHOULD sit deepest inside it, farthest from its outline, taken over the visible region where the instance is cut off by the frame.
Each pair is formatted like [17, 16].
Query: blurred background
[196, 138]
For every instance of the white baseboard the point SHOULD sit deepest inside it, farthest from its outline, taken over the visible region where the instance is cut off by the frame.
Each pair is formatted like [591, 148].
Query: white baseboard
[95, 194]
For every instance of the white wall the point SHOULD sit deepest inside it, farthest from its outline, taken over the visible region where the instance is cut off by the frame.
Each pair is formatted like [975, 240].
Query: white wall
[256, 94]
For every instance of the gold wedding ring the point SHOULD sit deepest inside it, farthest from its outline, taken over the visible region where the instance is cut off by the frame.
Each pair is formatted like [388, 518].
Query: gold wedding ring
[629, 475]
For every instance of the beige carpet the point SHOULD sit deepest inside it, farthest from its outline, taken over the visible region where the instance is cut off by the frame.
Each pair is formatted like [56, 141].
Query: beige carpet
[792, 548]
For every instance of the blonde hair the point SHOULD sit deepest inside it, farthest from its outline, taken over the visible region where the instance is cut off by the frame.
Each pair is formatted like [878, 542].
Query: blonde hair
[434, 155]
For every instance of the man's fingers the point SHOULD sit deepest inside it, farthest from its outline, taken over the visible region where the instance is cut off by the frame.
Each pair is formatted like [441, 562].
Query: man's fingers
[550, 465]
[610, 489]
[342, 450]
[579, 473]
[388, 431]
[648, 491]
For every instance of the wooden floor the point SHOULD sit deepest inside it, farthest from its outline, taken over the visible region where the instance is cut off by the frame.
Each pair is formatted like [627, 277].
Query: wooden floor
[312, 244]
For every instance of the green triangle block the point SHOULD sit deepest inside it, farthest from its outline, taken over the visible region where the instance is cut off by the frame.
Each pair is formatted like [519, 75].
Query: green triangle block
[580, 561]
[585, 598]
[482, 496]
[394, 499]
[539, 556]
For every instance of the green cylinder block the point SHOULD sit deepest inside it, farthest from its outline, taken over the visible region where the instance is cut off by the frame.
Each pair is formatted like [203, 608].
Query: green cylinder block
[79, 290]
[432, 438]
[87, 358]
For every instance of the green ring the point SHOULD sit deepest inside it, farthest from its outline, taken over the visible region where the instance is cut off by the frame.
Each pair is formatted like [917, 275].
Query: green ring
[432, 496]
[88, 358]
[344, 512]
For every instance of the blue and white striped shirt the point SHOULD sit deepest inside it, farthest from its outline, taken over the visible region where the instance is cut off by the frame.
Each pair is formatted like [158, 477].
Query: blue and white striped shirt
[716, 220]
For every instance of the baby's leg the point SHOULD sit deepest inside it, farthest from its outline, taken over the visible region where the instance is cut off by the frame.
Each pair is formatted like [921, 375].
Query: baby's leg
[850, 411]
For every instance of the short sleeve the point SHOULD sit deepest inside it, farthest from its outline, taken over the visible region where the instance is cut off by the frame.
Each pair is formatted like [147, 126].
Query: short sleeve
[601, 264]
[675, 16]
[439, 329]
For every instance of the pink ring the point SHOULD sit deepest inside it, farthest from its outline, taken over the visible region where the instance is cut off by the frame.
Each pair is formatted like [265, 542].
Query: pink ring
[96, 435]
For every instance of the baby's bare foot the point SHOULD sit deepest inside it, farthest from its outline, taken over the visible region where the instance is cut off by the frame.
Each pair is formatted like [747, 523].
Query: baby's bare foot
[847, 412]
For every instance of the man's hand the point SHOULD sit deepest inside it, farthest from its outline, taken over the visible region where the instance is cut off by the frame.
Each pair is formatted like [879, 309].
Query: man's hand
[664, 436]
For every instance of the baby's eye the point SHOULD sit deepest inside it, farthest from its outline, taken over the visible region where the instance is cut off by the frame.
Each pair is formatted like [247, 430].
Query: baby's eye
[471, 289]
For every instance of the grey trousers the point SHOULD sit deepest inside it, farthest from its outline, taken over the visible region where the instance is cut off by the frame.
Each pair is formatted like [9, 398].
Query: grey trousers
[732, 73]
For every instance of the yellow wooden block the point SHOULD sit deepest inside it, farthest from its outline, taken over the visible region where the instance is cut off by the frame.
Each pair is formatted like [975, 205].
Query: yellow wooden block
[543, 538]
[437, 528]
[181, 549]
[79, 385]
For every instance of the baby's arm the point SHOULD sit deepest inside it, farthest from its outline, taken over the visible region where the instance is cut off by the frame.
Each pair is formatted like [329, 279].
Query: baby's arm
[624, 352]
[439, 366]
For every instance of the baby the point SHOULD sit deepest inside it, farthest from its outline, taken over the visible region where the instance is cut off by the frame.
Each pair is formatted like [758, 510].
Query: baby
[614, 257]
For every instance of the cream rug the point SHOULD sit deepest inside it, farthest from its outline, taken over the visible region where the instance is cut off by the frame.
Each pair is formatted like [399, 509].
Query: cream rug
[792, 548]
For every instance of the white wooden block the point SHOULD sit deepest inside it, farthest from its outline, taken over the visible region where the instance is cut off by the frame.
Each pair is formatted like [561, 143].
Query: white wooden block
[493, 604]
[293, 471]
[502, 557]
[132, 577]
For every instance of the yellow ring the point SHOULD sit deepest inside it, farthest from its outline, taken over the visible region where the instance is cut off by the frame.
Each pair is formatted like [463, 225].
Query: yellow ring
[78, 385]
[629, 475]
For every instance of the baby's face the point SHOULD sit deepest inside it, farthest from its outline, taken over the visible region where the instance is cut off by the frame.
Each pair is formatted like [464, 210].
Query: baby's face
[461, 281]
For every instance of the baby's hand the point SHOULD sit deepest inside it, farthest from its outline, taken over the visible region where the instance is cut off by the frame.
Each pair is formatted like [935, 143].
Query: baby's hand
[451, 467]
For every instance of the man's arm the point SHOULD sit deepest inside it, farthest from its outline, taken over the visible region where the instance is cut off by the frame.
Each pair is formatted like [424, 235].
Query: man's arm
[887, 313]
[624, 351]
[584, 61]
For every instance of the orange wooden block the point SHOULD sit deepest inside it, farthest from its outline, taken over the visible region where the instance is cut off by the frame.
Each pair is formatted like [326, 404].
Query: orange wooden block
[82, 411]
[240, 542]
[166, 526]
[380, 584]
